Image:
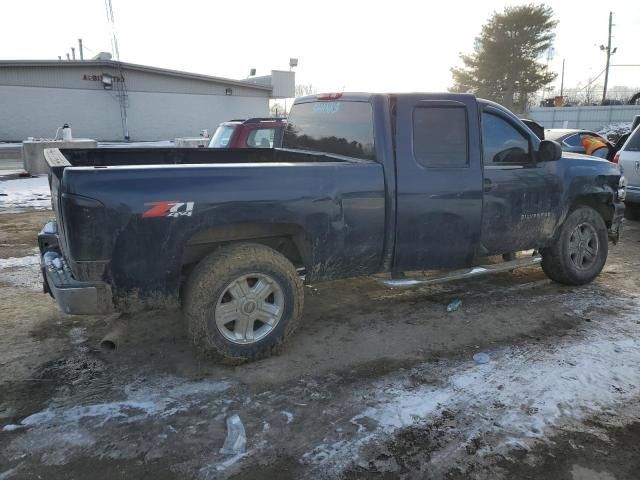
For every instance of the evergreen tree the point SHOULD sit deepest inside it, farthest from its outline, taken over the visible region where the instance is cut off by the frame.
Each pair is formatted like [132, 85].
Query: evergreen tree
[504, 64]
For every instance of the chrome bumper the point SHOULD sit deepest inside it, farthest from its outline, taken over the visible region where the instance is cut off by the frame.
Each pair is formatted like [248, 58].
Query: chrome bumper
[73, 297]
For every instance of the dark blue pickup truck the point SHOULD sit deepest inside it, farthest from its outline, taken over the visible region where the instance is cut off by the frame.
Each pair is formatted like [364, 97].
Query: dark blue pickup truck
[364, 183]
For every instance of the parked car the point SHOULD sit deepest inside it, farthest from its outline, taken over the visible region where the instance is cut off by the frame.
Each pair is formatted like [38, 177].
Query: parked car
[364, 183]
[535, 127]
[251, 133]
[571, 140]
[622, 139]
[629, 160]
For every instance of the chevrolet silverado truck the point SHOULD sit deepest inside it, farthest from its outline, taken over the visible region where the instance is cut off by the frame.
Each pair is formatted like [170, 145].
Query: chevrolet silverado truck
[363, 184]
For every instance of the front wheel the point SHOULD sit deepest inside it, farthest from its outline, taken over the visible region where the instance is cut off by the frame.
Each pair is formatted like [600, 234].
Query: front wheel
[580, 248]
[241, 302]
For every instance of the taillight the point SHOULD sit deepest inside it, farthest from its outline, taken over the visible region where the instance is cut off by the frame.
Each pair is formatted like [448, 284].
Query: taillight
[616, 158]
[86, 228]
[329, 96]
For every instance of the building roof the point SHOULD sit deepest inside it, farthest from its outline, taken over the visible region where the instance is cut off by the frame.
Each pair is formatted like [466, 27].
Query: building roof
[132, 66]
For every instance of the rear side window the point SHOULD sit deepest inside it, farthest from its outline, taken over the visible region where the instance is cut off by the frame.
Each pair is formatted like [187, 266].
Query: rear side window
[633, 144]
[341, 127]
[440, 136]
[261, 138]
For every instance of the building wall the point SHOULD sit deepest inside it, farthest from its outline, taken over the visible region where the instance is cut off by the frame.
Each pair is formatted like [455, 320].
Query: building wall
[588, 118]
[34, 102]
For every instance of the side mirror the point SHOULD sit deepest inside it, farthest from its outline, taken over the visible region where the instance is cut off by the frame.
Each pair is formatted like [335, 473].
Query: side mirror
[549, 151]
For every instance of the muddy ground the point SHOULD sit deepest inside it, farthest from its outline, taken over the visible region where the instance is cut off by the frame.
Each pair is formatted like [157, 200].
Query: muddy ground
[376, 383]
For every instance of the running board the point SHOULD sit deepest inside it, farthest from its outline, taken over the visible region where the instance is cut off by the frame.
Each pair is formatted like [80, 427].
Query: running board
[463, 273]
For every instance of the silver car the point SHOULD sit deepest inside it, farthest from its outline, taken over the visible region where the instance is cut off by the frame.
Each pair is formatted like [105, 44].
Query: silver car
[629, 161]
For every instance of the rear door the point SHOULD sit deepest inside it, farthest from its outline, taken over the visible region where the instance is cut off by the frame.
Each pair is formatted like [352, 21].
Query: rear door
[439, 181]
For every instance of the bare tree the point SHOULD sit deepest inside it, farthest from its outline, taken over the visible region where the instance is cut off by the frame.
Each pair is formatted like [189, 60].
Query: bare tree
[303, 89]
[277, 110]
[590, 92]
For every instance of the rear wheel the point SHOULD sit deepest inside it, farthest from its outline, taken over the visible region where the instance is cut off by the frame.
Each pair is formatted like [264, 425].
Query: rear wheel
[241, 302]
[632, 211]
[580, 248]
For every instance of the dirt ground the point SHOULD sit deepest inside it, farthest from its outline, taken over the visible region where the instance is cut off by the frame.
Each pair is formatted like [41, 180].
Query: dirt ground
[377, 383]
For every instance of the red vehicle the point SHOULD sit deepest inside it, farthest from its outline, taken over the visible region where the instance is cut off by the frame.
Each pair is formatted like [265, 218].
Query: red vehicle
[251, 133]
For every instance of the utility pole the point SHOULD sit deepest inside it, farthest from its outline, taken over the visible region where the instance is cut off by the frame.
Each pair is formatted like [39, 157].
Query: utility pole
[609, 53]
[562, 80]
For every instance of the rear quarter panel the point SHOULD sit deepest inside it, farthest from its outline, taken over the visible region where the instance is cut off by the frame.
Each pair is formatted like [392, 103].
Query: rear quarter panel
[338, 208]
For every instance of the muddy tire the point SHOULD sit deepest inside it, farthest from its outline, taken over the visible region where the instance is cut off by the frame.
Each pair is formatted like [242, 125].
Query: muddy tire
[580, 248]
[632, 211]
[241, 303]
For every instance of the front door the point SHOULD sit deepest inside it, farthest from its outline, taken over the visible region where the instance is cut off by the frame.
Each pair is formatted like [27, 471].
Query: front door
[522, 197]
[439, 181]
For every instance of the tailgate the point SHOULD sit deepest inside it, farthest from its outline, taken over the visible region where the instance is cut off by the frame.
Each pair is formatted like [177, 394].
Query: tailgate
[57, 163]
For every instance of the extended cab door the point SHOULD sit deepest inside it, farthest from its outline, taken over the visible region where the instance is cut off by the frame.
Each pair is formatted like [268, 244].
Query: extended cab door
[522, 197]
[439, 181]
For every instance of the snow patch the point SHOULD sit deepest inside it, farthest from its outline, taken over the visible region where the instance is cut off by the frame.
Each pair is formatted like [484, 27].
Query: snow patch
[58, 430]
[13, 262]
[516, 397]
[614, 131]
[22, 271]
[31, 192]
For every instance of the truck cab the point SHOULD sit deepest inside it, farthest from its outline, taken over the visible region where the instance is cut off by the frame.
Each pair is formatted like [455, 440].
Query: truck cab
[250, 133]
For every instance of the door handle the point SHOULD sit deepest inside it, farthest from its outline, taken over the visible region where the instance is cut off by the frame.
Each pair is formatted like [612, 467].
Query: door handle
[489, 186]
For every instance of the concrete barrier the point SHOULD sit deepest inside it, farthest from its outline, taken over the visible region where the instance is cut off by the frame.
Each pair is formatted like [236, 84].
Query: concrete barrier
[195, 142]
[33, 152]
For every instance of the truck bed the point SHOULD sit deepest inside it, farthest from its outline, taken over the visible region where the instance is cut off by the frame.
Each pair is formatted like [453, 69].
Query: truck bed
[331, 208]
[101, 157]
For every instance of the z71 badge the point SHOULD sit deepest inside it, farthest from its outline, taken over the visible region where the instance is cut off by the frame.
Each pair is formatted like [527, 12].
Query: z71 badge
[168, 209]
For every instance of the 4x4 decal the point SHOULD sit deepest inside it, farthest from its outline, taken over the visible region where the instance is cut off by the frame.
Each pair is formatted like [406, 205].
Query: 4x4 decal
[168, 209]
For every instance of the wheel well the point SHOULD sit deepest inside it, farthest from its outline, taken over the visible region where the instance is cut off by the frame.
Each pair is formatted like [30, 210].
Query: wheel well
[599, 202]
[286, 239]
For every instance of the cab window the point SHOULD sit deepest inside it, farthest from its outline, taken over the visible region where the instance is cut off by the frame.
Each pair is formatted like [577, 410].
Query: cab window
[503, 143]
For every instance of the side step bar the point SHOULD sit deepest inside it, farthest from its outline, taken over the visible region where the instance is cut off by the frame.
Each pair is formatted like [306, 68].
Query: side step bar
[463, 273]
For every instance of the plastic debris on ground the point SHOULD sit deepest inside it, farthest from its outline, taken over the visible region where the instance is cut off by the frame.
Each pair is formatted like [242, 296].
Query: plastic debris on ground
[236, 441]
[455, 305]
[481, 357]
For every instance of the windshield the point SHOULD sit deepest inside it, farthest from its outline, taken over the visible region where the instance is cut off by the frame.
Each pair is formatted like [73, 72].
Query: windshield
[344, 128]
[222, 136]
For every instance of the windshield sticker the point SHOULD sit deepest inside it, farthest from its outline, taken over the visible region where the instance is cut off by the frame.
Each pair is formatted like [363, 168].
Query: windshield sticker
[168, 209]
[326, 107]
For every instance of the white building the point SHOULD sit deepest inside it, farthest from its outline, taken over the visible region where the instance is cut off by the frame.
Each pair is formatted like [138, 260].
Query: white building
[103, 99]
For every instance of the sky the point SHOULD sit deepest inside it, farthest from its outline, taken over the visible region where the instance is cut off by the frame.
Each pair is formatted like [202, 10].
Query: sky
[347, 45]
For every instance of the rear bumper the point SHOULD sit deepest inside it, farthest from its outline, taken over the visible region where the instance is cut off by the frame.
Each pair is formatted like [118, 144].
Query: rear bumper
[73, 297]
